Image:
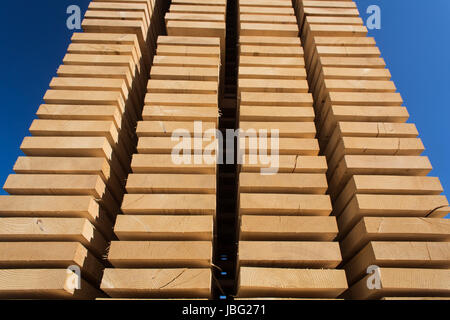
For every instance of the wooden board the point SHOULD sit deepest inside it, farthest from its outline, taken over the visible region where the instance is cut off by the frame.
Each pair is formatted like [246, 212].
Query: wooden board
[50, 255]
[72, 147]
[165, 145]
[106, 129]
[100, 60]
[356, 73]
[69, 165]
[378, 165]
[117, 26]
[336, 30]
[287, 146]
[119, 7]
[162, 163]
[53, 184]
[374, 146]
[282, 183]
[366, 98]
[271, 41]
[182, 86]
[265, 3]
[259, 18]
[41, 184]
[272, 73]
[292, 228]
[172, 60]
[184, 73]
[358, 85]
[342, 41]
[67, 83]
[58, 207]
[378, 129]
[275, 113]
[113, 72]
[157, 254]
[145, 204]
[285, 204]
[197, 9]
[159, 283]
[84, 97]
[334, 20]
[432, 255]
[106, 49]
[394, 229]
[42, 284]
[329, 4]
[352, 62]
[176, 16]
[289, 254]
[404, 282]
[278, 62]
[268, 29]
[172, 183]
[386, 184]
[289, 164]
[201, 2]
[186, 228]
[261, 85]
[180, 113]
[391, 206]
[117, 38]
[290, 283]
[276, 99]
[54, 229]
[193, 100]
[287, 10]
[360, 114]
[190, 41]
[283, 129]
[169, 128]
[196, 28]
[81, 112]
[63, 165]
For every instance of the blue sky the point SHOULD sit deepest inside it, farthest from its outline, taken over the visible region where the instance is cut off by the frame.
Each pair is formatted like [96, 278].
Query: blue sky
[413, 40]
[34, 39]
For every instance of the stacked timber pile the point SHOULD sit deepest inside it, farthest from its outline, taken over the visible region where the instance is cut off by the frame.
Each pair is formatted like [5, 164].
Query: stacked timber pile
[68, 187]
[199, 18]
[144, 18]
[286, 246]
[166, 232]
[387, 208]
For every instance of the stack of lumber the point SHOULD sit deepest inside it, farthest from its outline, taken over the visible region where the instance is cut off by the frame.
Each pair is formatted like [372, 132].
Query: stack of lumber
[167, 227]
[387, 208]
[198, 18]
[144, 18]
[286, 247]
[68, 187]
